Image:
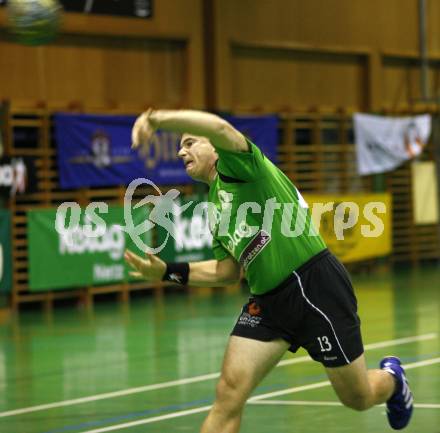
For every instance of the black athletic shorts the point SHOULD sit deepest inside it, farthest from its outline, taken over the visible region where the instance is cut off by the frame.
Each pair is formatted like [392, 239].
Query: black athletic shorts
[314, 308]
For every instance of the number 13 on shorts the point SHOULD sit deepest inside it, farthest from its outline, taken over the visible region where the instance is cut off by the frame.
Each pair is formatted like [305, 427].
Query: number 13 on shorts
[324, 344]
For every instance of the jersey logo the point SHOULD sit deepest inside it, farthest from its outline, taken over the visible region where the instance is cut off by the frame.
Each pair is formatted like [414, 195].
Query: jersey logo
[254, 309]
[255, 246]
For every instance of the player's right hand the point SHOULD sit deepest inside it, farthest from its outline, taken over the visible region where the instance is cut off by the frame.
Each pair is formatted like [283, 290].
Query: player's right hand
[142, 130]
[151, 268]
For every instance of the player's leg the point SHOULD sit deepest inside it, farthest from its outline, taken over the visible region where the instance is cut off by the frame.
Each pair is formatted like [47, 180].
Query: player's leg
[359, 388]
[331, 334]
[245, 364]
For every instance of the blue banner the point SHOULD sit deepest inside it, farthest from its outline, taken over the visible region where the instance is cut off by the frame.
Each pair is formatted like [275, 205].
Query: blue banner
[95, 151]
[261, 130]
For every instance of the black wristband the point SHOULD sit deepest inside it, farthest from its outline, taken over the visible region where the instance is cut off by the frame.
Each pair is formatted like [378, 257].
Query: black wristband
[177, 272]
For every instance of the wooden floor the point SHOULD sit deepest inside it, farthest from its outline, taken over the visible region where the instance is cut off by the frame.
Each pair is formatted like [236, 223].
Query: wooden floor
[152, 366]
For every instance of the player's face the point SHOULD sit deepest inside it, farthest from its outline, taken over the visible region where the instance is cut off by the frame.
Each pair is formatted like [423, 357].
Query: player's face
[198, 155]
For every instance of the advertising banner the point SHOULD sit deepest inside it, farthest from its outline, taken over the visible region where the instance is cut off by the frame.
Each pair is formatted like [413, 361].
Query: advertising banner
[96, 150]
[74, 258]
[5, 252]
[354, 226]
[383, 143]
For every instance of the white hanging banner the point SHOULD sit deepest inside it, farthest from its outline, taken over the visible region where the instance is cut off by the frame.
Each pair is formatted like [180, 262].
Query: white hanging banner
[383, 143]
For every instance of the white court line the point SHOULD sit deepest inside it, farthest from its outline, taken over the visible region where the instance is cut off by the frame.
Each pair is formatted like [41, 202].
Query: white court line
[329, 403]
[252, 400]
[154, 419]
[295, 403]
[421, 363]
[194, 379]
[113, 394]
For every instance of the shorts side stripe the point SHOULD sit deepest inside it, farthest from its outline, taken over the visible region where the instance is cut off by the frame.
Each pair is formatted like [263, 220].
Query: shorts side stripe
[323, 314]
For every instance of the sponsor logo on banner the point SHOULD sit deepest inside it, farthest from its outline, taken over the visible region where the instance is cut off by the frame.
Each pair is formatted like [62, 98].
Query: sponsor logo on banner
[76, 241]
[100, 152]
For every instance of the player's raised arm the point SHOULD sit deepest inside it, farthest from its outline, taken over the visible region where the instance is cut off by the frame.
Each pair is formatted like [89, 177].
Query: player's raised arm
[220, 132]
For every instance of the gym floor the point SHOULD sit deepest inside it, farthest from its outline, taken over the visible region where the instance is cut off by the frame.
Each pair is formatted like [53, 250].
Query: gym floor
[152, 365]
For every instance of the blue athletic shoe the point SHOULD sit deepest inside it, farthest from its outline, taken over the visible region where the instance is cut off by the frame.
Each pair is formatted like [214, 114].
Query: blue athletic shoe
[400, 404]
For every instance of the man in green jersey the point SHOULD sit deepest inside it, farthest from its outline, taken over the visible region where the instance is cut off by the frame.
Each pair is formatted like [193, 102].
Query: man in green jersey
[301, 296]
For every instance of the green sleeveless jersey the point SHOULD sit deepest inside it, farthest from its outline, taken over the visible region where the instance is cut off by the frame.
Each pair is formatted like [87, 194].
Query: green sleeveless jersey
[259, 217]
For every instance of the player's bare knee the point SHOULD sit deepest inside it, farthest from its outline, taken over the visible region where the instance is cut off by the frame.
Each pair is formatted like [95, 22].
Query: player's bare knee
[358, 402]
[231, 390]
